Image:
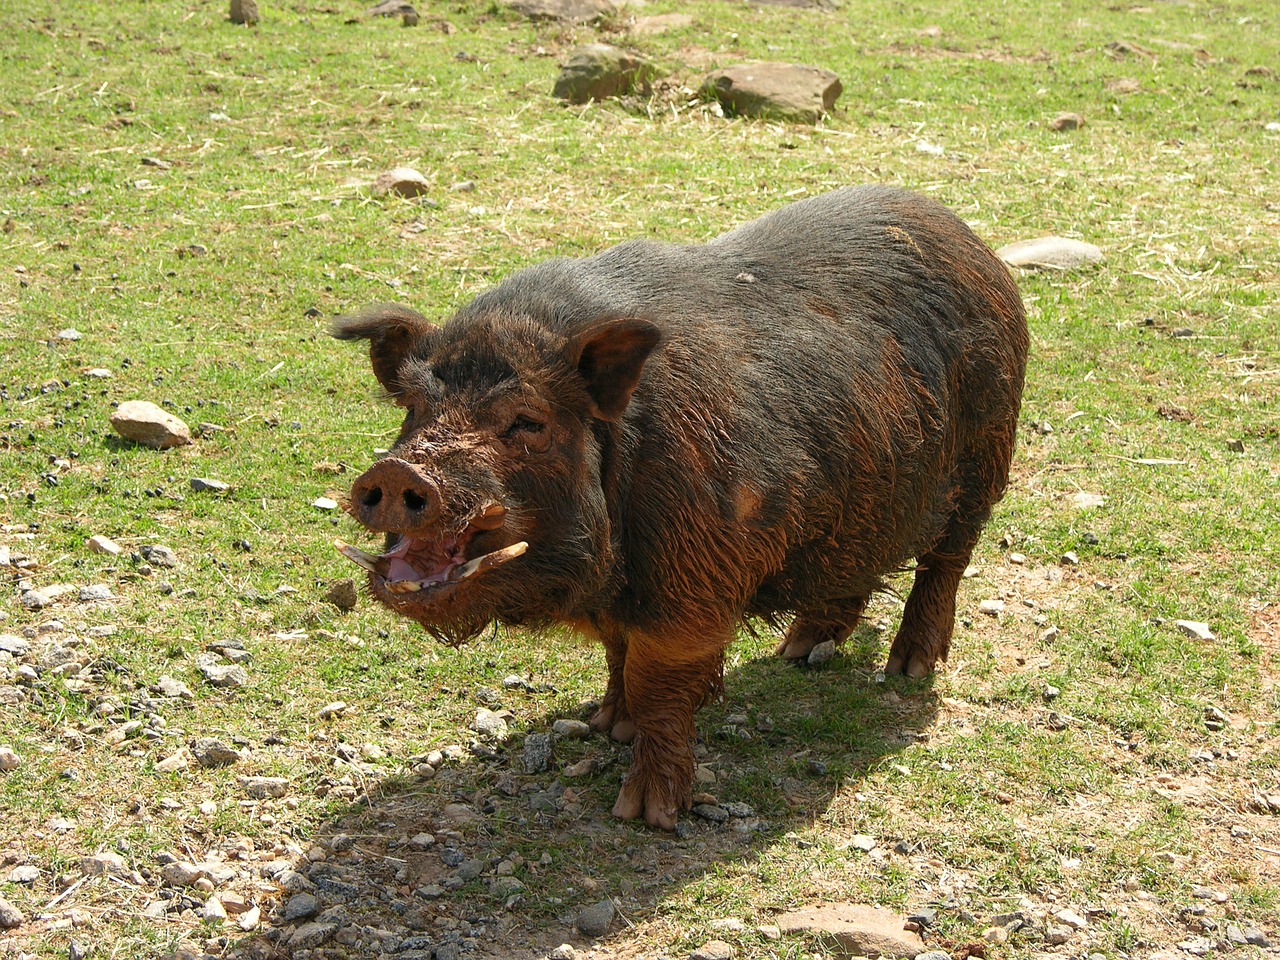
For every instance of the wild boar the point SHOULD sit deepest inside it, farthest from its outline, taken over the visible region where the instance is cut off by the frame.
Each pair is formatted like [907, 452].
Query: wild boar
[654, 443]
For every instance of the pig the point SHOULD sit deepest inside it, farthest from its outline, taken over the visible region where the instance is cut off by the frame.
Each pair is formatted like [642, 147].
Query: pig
[657, 443]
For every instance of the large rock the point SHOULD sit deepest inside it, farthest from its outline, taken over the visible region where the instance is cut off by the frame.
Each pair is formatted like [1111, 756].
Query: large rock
[568, 11]
[145, 423]
[779, 91]
[1050, 253]
[855, 930]
[596, 71]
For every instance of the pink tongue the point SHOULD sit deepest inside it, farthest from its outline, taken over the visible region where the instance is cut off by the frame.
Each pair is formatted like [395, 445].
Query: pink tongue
[400, 570]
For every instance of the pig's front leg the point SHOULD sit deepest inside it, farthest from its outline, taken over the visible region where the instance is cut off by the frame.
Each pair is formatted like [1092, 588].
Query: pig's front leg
[666, 679]
[613, 715]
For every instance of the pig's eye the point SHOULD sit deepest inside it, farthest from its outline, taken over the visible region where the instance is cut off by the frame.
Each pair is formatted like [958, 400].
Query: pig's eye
[523, 424]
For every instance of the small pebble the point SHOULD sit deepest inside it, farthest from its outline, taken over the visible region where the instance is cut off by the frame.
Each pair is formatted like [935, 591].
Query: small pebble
[205, 485]
[595, 920]
[101, 544]
[9, 759]
[324, 503]
[821, 653]
[713, 950]
[1195, 629]
[571, 729]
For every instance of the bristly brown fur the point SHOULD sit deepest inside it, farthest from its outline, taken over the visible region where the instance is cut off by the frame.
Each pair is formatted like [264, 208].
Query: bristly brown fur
[688, 437]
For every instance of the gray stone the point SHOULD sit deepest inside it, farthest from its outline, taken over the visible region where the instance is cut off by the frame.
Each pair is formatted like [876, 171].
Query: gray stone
[34, 600]
[146, 424]
[96, 592]
[1050, 253]
[778, 91]
[221, 674]
[24, 874]
[856, 929]
[595, 920]
[211, 752]
[713, 950]
[301, 906]
[10, 916]
[490, 724]
[1256, 937]
[262, 788]
[159, 555]
[597, 71]
[205, 485]
[108, 863]
[244, 11]
[571, 729]
[180, 874]
[537, 752]
[567, 11]
[469, 870]
[174, 689]
[312, 934]
[13, 645]
[402, 181]
[293, 882]
[712, 812]
[822, 653]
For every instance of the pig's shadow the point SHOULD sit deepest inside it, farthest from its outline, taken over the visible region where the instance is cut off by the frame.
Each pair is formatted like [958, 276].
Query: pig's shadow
[512, 857]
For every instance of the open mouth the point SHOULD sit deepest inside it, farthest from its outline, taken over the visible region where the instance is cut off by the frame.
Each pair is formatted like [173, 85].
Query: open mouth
[414, 564]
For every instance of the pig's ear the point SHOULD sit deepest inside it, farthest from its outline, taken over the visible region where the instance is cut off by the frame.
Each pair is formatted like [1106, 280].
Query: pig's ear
[610, 355]
[395, 333]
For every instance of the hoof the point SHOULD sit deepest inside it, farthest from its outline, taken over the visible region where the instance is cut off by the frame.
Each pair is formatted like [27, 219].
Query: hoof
[624, 731]
[634, 803]
[793, 649]
[917, 666]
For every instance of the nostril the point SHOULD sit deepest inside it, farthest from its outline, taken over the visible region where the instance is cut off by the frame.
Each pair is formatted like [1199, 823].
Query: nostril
[372, 497]
[413, 501]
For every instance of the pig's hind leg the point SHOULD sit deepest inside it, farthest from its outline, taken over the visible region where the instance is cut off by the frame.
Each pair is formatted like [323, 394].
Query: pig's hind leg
[929, 617]
[808, 630]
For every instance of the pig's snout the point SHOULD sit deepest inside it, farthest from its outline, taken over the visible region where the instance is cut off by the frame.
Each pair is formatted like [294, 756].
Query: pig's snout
[395, 496]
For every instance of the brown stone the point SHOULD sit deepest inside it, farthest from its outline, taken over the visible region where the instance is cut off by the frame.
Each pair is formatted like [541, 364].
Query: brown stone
[145, 423]
[1066, 121]
[402, 181]
[779, 91]
[855, 930]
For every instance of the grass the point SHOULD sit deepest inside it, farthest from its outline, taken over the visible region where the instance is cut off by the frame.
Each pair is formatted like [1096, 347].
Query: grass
[206, 284]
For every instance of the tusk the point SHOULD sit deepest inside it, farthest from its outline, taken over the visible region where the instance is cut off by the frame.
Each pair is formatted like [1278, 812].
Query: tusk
[490, 560]
[403, 586]
[490, 517]
[358, 556]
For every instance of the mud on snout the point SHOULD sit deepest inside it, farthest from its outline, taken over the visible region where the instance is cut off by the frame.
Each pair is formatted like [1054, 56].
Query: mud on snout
[438, 539]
